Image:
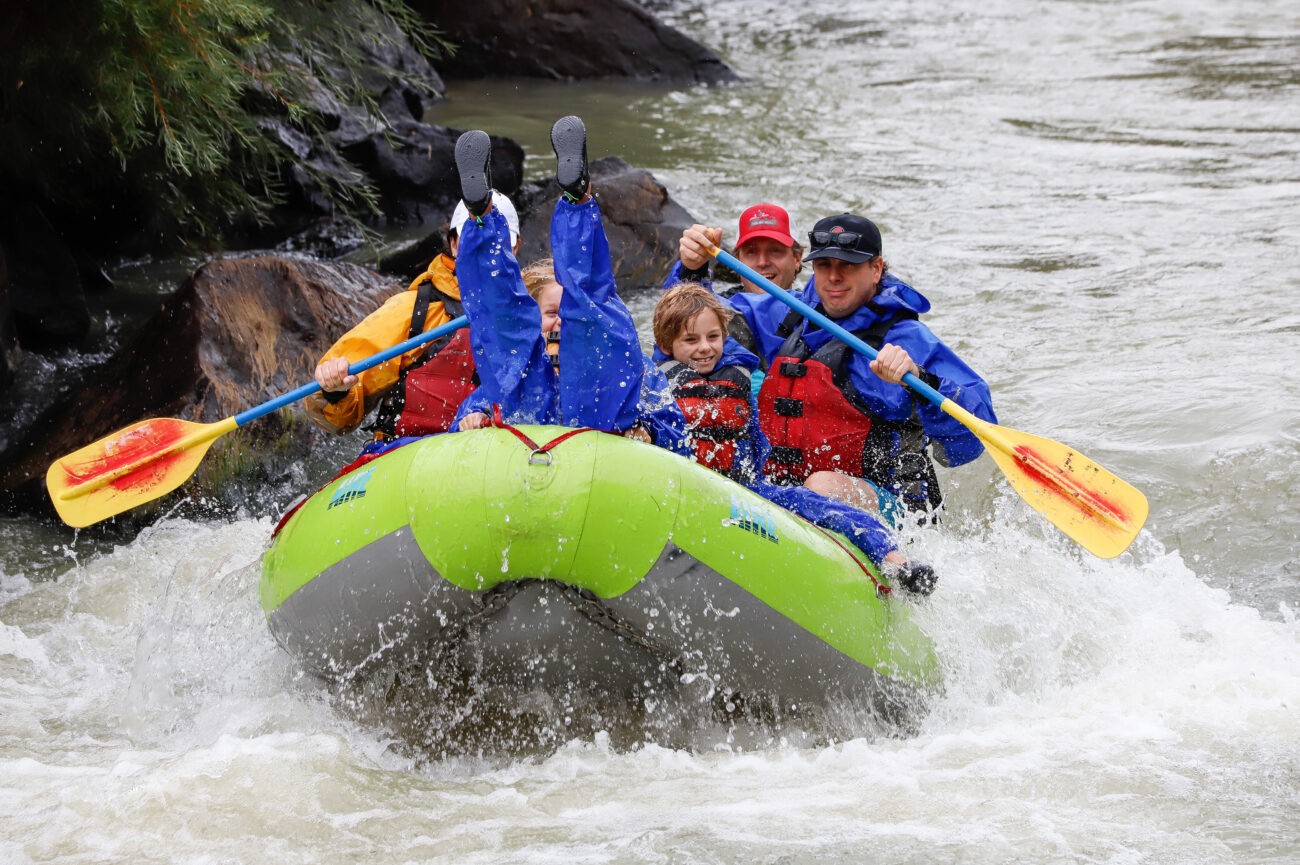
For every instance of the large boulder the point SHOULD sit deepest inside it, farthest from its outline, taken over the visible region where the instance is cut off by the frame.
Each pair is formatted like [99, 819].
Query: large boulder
[641, 220]
[413, 167]
[239, 332]
[564, 39]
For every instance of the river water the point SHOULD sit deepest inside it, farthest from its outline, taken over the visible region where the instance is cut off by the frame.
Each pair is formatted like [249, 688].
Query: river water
[1102, 201]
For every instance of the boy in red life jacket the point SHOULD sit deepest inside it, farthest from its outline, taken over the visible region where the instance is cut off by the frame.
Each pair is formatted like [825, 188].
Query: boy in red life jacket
[709, 373]
[419, 392]
[710, 376]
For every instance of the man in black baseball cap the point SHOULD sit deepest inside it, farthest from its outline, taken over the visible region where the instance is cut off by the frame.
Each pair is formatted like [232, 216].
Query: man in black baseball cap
[853, 240]
[846, 237]
[839, 423]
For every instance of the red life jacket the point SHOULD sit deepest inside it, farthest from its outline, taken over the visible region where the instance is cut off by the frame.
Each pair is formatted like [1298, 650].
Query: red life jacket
[429, 391]
[717, 412]
[816, 420]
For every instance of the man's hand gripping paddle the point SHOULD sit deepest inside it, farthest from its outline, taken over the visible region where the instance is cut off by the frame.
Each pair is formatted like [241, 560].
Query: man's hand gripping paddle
[151, 458]
[1098, 510]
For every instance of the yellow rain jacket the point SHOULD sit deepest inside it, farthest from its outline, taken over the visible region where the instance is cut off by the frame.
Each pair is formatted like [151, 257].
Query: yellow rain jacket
[383, 328]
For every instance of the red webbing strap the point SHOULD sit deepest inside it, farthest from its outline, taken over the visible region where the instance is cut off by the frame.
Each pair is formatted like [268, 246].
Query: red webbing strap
[532, 445]
[880, 590]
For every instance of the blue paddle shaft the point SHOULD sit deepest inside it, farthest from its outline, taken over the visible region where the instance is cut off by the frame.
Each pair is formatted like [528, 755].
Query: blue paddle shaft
[360, 366]
[822, 321]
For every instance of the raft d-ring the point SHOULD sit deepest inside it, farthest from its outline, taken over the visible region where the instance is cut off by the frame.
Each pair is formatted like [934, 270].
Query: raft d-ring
[539, 458]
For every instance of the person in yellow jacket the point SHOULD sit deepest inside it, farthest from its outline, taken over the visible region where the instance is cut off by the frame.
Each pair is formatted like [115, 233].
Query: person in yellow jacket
[418, 392]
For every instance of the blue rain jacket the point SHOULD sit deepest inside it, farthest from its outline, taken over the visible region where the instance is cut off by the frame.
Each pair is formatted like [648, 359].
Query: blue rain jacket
[605, 381]
[748, 451]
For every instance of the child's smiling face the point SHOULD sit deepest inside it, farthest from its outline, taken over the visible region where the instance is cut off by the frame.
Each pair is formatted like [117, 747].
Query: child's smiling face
[548, 299]
[699, 345]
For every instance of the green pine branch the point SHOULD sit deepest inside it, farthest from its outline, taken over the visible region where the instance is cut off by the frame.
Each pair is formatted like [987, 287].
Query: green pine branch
[175, 94]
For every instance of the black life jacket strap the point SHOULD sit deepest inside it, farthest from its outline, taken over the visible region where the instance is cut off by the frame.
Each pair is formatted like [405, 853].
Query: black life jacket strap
[423, 300]
[789, 323]
[793, 327]
[680, 374]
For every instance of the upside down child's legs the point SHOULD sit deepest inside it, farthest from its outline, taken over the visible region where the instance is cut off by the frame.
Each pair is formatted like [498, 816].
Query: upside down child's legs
[505, 325]
[600, 355]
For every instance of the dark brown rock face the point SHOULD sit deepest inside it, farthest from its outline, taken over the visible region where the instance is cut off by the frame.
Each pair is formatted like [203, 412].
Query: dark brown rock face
[567, 39]
[239, 332]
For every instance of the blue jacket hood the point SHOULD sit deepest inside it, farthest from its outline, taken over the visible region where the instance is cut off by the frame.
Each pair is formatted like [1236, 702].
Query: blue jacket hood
[735, 354]
[896, 294]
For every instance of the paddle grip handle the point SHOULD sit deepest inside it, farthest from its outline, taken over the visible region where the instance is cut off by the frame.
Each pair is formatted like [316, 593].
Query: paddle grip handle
[360, 366]
[821, 321]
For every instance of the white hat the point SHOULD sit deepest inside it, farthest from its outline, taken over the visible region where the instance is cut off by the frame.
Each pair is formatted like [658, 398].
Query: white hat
[499, 202]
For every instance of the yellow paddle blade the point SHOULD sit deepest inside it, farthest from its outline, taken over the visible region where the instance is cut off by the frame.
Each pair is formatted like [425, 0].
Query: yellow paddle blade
[1098, 510]
[128, 468]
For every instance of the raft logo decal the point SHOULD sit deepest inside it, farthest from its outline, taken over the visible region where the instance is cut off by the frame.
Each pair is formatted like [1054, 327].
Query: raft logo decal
[752, 519]
[352, 488]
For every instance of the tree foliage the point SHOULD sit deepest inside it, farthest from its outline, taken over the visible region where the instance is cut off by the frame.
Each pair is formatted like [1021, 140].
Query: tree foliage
[197, 108]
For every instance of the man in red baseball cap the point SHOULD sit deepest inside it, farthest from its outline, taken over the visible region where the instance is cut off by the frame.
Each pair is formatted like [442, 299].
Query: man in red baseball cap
[764, 243]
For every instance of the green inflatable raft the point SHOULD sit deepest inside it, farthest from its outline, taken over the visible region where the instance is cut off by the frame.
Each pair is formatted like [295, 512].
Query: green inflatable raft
[581, 560]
